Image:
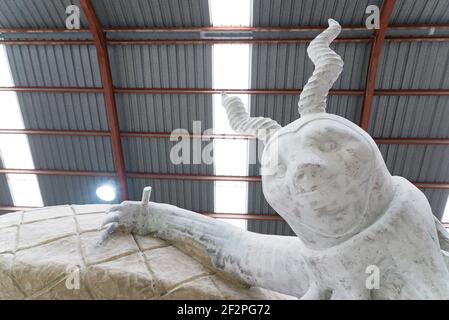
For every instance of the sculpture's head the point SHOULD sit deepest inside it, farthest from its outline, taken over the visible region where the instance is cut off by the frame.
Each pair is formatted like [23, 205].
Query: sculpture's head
[326, 177]
[322, 173]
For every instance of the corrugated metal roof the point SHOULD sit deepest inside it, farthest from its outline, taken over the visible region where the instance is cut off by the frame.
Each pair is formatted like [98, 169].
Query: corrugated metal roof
[288, 66]
[63, 111]
[57, 65]
[309, 13]
[72, 153]
[197, 196]
[35, 13]
[153, 155]
[410, 117]
[163, 66]
[403, 65]
[427, 163]
[437, 199]
[415, 12]
[133, 66]
[414, 65]
[153, 13]
[112, 13]
[284, 109]
[163, 113]
[72, 190]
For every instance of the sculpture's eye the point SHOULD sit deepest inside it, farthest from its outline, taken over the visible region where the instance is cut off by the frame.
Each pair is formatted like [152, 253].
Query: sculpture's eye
[275, 169]
[327, 146]
[280, 170]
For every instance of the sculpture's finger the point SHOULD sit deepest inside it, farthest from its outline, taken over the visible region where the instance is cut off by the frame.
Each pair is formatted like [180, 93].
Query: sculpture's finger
[107, 233]
[113, 217]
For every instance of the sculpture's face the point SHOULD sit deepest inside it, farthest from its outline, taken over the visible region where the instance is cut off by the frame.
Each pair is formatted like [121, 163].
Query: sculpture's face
[319, 175]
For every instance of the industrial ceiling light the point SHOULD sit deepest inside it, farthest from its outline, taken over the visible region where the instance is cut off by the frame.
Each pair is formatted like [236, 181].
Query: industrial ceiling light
[106, 193]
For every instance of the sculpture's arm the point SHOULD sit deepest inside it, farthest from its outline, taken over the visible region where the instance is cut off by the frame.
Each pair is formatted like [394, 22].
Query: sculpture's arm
[271, 262]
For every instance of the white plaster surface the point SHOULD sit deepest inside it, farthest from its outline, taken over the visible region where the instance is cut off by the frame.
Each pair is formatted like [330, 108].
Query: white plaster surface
[125, 267]
[323, 174]
[326, 177]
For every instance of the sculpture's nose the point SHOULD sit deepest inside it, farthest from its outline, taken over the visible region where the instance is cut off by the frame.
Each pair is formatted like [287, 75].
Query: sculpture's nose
[308, 177]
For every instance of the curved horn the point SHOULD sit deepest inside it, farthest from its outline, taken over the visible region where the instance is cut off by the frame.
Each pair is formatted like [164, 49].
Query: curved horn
[241, 122]
[328, 66]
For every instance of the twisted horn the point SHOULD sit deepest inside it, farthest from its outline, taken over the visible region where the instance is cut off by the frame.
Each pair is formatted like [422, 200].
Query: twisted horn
[241, 122]
[328, 66]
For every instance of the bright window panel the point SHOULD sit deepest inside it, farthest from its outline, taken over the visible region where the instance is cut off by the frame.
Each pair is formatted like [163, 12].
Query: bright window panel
[230, 71]
[14, 148]
[232, 197]
[230, 12]
[446, 212]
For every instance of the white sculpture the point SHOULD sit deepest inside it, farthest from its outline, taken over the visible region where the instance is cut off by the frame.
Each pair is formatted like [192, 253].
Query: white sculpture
[361, 233]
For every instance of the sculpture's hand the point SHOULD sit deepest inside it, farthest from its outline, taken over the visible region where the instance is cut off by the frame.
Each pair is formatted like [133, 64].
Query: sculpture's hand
[132, 216]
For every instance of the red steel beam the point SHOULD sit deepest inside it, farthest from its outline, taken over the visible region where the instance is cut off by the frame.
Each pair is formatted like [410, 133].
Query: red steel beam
[411, 92]
[431, 185]
[59, 172]
[168, 135]
[335, 92]
[376, 50]
[53, 89]
[176, 41]
[128, 42]
[223, 29]
[338, 92]
[417, 39]
[108, 87]
[68, 133]
[425, 141]
[170, 176]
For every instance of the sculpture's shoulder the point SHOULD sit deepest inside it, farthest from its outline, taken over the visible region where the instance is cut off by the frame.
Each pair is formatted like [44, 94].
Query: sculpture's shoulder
[410, 198]
[57, 257]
